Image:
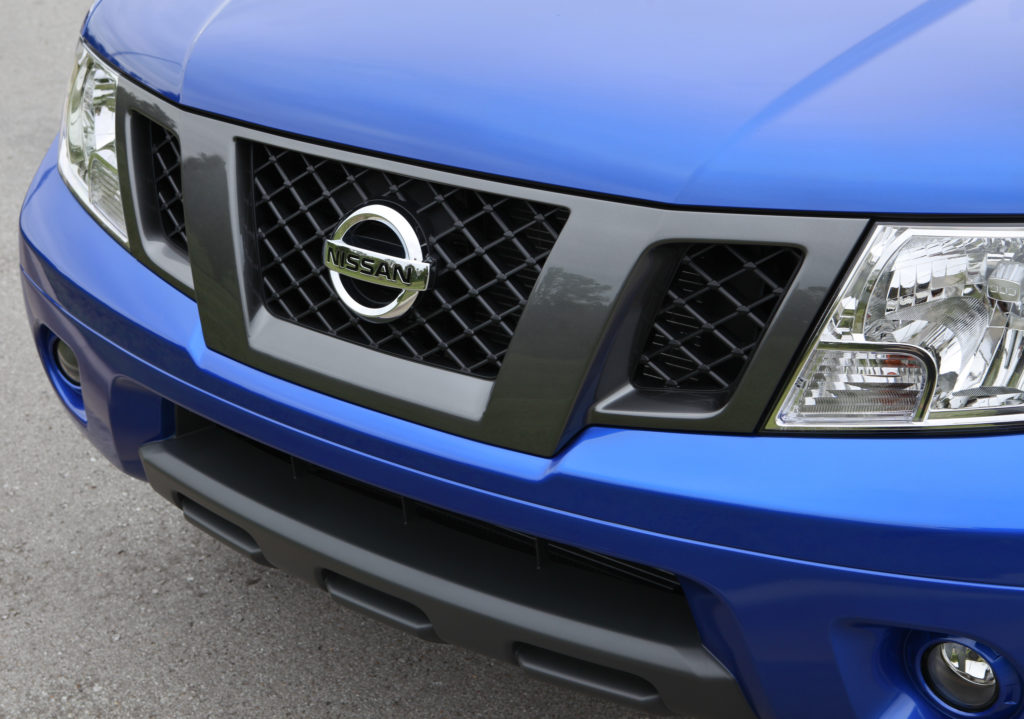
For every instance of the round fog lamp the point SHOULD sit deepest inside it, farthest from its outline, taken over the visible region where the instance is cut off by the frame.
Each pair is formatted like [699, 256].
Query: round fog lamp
[67, 361]
[961, 677]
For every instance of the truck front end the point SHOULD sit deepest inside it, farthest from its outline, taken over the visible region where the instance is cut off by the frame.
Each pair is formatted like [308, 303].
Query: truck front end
[687, 375]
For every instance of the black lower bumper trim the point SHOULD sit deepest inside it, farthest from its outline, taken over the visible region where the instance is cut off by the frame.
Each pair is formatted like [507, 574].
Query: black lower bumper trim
[231, 534]
[625, 640]
[379, 605]
[579, 674]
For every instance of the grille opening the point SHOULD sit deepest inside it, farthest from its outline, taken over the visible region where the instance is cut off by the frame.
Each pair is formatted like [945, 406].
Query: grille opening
[543, 552]
[165, 154]
[405, 510]
[713, 316]
[488, 251]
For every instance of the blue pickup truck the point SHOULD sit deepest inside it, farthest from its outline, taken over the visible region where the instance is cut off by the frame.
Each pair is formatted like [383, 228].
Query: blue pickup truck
[672, 351]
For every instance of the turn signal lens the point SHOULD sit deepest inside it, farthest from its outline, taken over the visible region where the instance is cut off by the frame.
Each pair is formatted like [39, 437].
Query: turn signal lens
[858, 386]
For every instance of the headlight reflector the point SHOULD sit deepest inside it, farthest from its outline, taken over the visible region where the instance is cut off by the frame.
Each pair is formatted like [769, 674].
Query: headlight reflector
[88, 146]
[928, 330]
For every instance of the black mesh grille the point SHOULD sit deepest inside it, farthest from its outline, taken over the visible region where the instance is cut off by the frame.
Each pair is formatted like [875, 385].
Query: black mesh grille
[487, 250]
[166, 154]
[714, 314]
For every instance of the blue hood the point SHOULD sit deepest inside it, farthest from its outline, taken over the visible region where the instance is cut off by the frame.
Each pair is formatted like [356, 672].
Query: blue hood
[881, 106]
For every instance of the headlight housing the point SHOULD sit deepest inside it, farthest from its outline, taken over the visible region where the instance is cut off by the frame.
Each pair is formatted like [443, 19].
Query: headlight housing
[928, 330]
[89, 142]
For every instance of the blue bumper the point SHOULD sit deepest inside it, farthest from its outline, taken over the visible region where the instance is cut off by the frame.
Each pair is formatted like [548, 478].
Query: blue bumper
[809, 563]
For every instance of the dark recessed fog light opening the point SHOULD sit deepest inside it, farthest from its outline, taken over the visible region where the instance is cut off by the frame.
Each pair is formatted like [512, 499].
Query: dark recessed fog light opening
[67, 362]
[65, 371]
[966, 678]
[960, 676]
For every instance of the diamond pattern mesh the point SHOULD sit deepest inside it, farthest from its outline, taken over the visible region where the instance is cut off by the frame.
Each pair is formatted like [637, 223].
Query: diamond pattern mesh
[487, 250]
[166, 154]
[714, 315]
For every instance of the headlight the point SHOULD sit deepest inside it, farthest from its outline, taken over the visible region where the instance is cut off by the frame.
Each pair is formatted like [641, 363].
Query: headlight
[928, 330]
[88, 145]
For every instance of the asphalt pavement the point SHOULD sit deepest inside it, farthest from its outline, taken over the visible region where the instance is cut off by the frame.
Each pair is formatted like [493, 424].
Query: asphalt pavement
[111, 605]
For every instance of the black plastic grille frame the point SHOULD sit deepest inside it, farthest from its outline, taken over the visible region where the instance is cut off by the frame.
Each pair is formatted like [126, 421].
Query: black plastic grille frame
[714, 315]
[487, 252]
[166, 156]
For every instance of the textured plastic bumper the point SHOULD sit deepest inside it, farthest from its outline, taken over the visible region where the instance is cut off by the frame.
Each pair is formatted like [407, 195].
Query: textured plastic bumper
[807, 562]
[442, 583]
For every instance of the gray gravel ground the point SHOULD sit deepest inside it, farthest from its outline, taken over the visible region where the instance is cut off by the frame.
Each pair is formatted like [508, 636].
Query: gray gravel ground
[110, 604]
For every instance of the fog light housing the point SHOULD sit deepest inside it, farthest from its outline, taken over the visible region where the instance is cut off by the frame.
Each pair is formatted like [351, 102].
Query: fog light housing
[64, 370]
[67, 362]
[960, 676]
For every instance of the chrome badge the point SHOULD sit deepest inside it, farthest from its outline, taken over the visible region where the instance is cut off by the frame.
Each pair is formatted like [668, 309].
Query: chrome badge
[362, 277]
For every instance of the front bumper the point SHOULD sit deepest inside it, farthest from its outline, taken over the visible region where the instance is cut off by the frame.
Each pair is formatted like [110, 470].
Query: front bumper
[806, 562]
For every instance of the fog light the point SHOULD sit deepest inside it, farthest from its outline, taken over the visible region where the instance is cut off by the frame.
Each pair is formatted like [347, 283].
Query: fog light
[961, 677]
[67, 362]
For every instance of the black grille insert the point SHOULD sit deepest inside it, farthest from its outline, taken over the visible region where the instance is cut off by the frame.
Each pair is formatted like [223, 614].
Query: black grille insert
[165, 152]
[405, 510]
[488, 251]
[713, 316]
[545, 553]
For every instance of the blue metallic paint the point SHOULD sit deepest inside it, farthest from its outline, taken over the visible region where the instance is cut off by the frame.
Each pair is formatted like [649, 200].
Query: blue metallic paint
[891, 106]
[150, 41]
[800, 635]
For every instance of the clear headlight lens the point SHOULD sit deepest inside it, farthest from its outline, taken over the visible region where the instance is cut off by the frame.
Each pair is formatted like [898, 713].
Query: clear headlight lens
[928, 330]
[88, 146]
